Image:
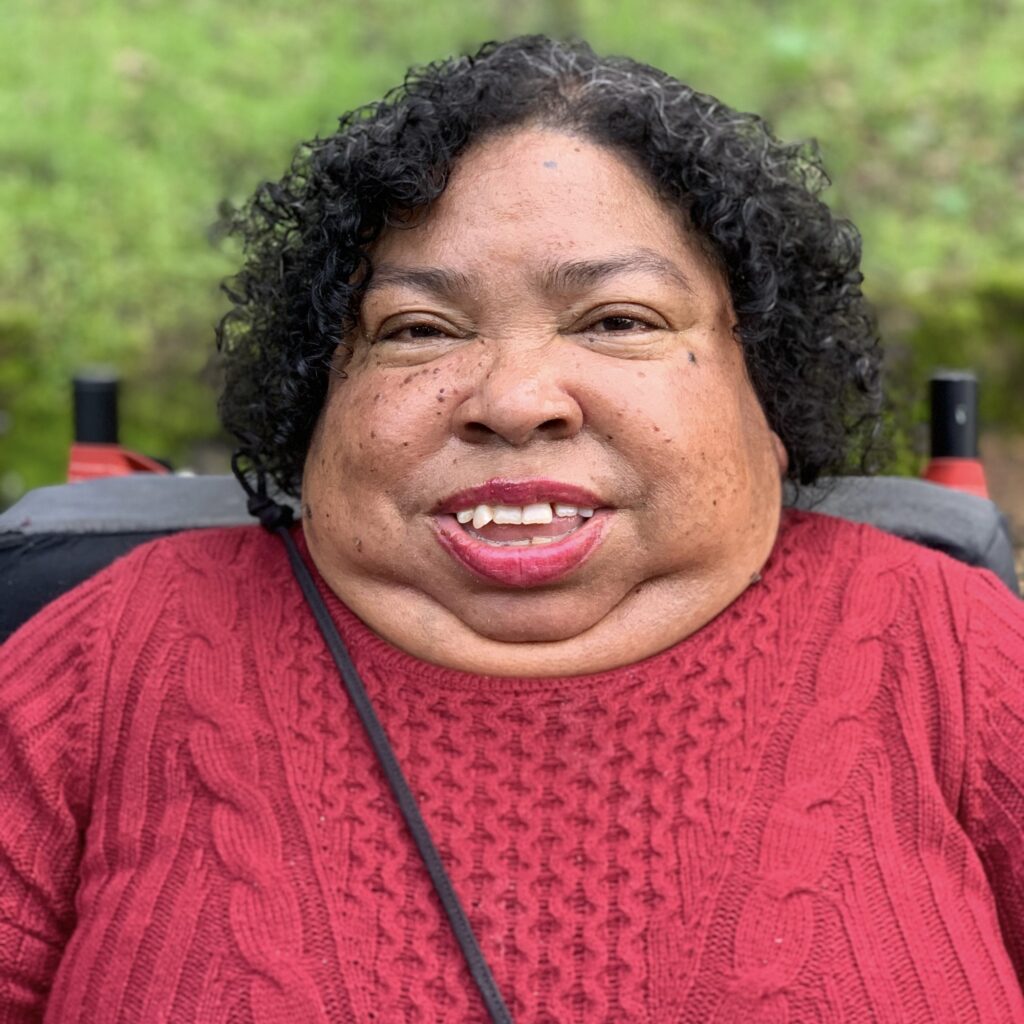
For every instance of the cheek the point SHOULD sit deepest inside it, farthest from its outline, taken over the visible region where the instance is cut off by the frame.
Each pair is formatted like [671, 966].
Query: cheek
[699, 435]
[340, 459]
[406, 411]
[375, 427]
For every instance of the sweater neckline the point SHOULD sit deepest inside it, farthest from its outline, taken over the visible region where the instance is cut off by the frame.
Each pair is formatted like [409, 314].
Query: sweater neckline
[372, 652]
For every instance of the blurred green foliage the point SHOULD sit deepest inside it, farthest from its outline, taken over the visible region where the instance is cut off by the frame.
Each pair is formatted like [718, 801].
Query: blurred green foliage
[124, 124]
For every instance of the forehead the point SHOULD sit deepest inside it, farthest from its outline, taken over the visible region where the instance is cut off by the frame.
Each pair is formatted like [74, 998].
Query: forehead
[538, 197]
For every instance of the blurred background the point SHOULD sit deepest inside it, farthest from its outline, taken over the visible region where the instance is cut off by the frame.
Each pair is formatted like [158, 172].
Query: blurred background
[125, 123]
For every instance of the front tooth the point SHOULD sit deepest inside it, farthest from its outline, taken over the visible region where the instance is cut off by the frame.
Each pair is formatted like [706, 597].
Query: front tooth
[537, 513]
[586, 512]
[464, 516]
[482, 515]
[508, 515]
[565, 511]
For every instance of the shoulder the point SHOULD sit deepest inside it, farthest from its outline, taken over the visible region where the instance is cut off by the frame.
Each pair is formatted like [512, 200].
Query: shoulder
[229, 549]
[942, 641]
[866, 580]
[114, 640]
[216, 559]
[127, 599]
[846, 548]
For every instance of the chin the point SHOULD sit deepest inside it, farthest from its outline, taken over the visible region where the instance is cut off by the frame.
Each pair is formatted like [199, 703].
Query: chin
[530, 621]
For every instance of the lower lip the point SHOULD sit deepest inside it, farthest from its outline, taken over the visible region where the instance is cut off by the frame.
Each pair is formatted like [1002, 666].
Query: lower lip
[531, 566]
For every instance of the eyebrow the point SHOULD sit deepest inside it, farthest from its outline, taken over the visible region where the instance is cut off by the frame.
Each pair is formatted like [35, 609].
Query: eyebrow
[578, 275]
[432, 280]
[568, 276]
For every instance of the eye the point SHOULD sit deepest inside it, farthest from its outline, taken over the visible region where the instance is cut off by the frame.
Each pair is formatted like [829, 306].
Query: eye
[413, 332]
[620, 324]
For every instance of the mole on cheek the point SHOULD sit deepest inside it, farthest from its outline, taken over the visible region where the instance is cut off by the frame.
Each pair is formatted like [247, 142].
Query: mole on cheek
[691, 357]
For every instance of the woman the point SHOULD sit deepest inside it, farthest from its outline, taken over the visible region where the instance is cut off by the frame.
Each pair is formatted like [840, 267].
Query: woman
[537, 339]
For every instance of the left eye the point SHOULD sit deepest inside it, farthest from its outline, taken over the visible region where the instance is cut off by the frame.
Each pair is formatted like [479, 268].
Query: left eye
[618, 324]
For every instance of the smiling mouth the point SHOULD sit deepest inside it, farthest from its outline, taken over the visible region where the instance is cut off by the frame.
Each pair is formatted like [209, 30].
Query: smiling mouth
[528, 545]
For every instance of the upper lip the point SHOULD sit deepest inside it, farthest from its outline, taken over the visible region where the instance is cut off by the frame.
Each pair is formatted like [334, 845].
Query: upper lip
[519, 492]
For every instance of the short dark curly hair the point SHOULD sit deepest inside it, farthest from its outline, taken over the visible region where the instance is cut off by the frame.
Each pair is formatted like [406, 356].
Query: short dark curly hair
[807, 332]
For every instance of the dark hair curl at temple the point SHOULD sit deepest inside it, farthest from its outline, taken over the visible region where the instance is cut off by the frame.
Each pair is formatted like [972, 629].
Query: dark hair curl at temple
[792, 267]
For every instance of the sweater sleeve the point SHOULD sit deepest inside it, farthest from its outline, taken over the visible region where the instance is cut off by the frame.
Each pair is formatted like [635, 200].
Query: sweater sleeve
[50, 674]
[993, 799]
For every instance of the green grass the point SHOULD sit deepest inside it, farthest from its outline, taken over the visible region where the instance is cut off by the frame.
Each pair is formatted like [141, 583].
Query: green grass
[123, 125]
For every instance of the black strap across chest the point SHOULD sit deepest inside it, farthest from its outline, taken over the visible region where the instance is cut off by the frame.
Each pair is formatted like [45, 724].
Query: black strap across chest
[356, 691]
[277, 518]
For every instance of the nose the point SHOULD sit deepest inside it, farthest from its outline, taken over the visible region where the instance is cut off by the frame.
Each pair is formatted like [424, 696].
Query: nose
[520, 399]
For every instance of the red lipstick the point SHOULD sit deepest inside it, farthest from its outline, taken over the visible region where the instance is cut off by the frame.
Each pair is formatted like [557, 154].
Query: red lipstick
[519, 492]
[521, 566]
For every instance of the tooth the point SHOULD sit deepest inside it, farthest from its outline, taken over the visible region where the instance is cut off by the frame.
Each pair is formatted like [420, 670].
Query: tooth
[537, 513]
[508, 515]
[586, 512]
[464, 516]
[565, 511]
[544, 540]
[482, 515]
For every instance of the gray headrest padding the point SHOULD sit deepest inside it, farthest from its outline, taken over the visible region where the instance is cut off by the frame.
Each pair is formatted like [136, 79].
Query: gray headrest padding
[140, 503]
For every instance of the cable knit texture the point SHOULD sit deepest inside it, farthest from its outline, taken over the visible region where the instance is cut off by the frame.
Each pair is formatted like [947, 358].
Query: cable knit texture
[810, 811]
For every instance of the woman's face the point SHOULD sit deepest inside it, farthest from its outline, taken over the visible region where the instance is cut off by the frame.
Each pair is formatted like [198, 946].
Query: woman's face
[551, 339]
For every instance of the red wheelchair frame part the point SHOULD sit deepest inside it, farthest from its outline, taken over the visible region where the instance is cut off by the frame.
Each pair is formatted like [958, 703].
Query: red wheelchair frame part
[90, 460]
[959, 473]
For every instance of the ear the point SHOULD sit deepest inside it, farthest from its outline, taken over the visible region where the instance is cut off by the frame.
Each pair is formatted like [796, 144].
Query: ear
[781, 455]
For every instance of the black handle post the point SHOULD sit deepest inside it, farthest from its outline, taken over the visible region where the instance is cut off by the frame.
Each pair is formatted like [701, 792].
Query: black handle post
[954, 414]
[95, 404]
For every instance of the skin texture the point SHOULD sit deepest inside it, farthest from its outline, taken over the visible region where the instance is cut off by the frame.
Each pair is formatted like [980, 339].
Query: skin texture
[631, 384]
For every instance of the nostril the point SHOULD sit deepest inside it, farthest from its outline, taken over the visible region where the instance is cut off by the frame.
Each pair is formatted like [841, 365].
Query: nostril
[557, 425]
[478, 430]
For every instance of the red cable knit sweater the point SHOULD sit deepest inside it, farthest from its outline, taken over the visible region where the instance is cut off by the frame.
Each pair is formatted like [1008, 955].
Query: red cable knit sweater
[810, 811]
